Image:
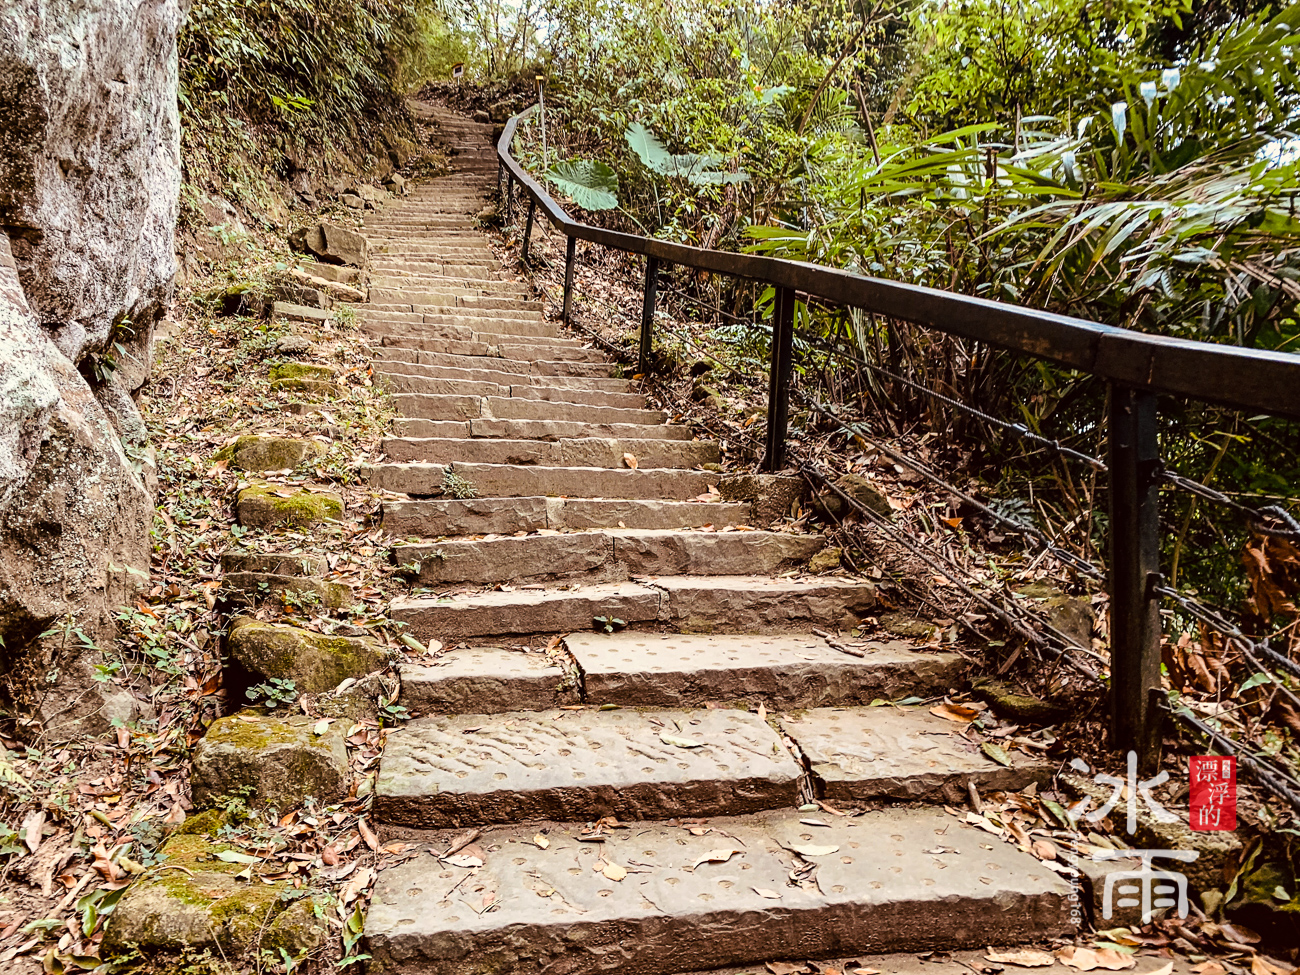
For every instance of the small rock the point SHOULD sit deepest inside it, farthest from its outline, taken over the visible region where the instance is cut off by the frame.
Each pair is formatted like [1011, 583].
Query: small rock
[276, 761]
[904, 624]
[1069, 614]
[396, 184]
[271, 505]
[1008, 703]
[489, 216]
[700, 366]
[860, 489]
[250, 588]
[332, 272]
[303, 376]
[269, 453]
[482, 116]
[314, 662]
[293, 345]
[296, 292]
[771, 495]
[240, 300]
[352, 201]
[827, 560]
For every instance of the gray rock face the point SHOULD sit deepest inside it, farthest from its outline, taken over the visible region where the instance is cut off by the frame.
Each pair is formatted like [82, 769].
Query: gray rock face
[89, 179]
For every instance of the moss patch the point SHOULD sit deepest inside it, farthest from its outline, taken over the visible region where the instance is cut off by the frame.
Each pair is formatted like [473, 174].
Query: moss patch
[282, 371]
[268, 453]
[313, 661]
[268, 505]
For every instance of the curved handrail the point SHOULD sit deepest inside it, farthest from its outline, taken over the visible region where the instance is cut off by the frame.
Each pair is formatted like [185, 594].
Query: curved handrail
[1228, 375]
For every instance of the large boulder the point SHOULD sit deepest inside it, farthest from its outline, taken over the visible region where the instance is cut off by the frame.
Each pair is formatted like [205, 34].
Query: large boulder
[331, 243]
[89, 181]
[313, 661]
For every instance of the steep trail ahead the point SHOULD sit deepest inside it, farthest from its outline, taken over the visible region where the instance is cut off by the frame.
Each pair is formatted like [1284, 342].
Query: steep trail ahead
[703, 727]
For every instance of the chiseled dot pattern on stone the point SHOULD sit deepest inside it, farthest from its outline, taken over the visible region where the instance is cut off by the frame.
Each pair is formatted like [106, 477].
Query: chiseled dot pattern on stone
[900, 753]
[789, 670]
[581, 765]
[553, 910]
[484, 678]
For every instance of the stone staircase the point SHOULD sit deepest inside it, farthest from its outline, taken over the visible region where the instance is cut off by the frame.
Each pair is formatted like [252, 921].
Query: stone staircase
[720, 782]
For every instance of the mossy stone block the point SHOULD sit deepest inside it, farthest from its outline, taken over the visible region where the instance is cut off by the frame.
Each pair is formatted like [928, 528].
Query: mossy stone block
[270, 505]
[281, 371]
[190, 902]
[860, 489]
[827, 560]
[314, 662]
[253, 587]
[278, 761]
[269, 453]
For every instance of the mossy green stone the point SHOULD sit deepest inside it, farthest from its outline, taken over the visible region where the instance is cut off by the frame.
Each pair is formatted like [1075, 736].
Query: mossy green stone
[314, 662]
[269, 453]
[263, 506]
[253, 587]
[193, 902]
[827, 560]
[277, 761]
[281, 371]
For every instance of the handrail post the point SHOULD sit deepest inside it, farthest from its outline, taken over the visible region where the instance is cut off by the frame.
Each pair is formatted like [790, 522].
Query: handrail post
[510, 198]
[528, 227]
[570, 253]
[648, 314]
[778, 380]
[1134, 461]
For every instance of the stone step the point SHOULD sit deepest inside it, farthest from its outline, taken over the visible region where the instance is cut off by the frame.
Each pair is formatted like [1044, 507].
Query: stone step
[589, 451]
[412, 330]
[414, 297]
[605, 555]
[884, 889]
[458, 273]
[475, 769]
[798, 670]
[507, 481]
[600, 392]
[480, 516]
[434, 282]
[434, 406]
[438, 314]
[862, 754]
[549, 430]
[714, 604]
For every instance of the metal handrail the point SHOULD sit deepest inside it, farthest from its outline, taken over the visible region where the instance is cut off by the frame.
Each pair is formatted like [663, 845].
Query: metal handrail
[1137, 366]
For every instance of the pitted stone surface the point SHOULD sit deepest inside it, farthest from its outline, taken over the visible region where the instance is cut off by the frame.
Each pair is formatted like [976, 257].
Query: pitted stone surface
[472, 516]
[709, 553]
[900, 753]
[581, 765]
[525, 611]
[796, 670]
[552, 911]
[478, 679]
[752, 604]
[503, 559]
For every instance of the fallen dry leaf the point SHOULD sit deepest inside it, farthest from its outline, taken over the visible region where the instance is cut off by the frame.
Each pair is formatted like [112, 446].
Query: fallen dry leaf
[815, 851]
[33, 826]
[1044, 849]
[769, 894]
[1086, 959]
[785, 967]
[357, 885]
[718, 856]
[954, 712]
[368, 834]
[630, 461]
[614, 872]
[1024, 957]
[462, 860]
[864, 971]
[541, 842]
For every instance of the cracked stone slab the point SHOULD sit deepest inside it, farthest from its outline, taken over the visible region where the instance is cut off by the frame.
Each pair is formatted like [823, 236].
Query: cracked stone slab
[581, 765]
[525, 611]
[787, 671]
[478, 679]
[531, 557]
[899, 880]
[900, 753]
[648, 552]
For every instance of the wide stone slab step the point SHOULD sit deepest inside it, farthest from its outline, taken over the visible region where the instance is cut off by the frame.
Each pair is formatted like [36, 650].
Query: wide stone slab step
[506, 480]
[797, 670]
[467, 405]
[481, 516]
[475, 769]
[712, 604]
[605, 555]
[549, 430]
[902, 753]
[898, 880]
[569, 452]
